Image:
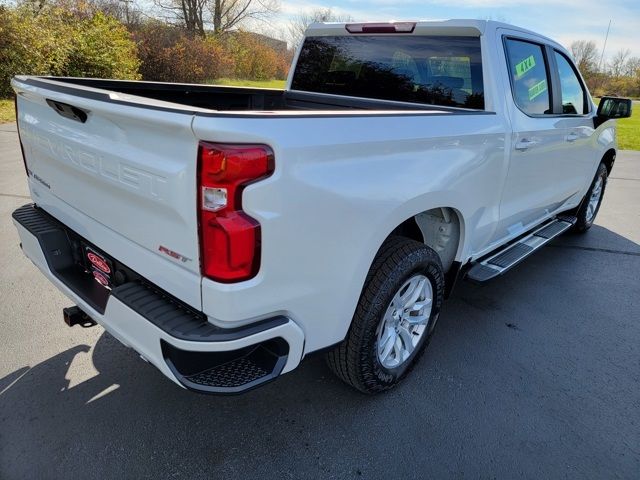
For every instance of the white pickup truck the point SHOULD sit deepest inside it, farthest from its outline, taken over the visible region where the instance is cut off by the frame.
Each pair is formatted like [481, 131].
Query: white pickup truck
[226, 233]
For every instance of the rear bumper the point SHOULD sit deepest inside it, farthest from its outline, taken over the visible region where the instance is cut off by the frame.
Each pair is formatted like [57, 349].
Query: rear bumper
[178, 340]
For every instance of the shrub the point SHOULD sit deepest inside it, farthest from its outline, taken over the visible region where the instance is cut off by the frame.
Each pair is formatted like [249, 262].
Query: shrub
[75, 38]
[198, 60]
[54, 41]
[155, 41]
[253, 59]
[32, 45]
[103, 48]
[171, 55]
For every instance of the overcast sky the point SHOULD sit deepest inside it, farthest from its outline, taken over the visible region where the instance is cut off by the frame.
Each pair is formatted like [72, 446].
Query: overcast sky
[562, 20]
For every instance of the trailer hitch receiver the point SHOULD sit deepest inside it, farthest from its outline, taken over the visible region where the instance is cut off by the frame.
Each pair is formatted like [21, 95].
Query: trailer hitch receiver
[75, 316]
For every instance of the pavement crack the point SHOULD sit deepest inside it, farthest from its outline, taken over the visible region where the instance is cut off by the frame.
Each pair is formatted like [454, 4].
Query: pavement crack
[14, 195]
[594, 249]
[630, 179]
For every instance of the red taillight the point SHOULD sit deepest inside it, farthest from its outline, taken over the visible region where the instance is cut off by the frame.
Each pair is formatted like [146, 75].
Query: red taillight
[229, 238]
[24, 159]
[394, 27]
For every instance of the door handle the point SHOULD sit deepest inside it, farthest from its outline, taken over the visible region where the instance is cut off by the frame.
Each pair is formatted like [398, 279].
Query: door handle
[572, 137]
[525, 144]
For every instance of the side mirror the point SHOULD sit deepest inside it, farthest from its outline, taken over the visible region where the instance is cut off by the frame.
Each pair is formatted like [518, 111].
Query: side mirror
[613, 107]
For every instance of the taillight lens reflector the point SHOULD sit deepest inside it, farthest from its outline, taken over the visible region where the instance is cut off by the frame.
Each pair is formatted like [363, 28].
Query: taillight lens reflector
[230, 240]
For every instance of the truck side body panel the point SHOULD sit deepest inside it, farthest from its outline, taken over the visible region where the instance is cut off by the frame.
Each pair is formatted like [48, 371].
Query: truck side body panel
[336, 195]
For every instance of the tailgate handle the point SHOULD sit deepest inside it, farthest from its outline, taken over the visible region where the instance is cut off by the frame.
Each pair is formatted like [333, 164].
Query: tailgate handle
[68, 111]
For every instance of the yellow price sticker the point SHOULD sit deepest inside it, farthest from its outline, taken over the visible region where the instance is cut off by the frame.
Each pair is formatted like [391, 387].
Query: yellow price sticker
[537, 89]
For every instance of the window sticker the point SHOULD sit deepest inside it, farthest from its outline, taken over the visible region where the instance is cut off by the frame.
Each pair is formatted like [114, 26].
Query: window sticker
[525, 65]
[537, 89]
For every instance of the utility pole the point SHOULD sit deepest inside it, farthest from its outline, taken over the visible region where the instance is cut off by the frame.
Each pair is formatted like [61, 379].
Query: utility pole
[605, 46]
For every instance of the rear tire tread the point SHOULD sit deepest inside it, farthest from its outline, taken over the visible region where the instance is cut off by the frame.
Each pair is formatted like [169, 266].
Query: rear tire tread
[347, 359]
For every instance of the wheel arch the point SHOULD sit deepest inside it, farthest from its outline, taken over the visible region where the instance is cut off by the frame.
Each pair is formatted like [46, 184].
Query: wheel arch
[609, 159]
[441, 228]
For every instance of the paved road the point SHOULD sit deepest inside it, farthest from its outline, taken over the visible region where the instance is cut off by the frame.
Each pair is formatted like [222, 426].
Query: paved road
[534, 376]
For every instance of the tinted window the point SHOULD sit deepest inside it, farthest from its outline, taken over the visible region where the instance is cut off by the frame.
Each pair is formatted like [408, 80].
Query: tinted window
[573, 95]
[420, 69]
[528, 77]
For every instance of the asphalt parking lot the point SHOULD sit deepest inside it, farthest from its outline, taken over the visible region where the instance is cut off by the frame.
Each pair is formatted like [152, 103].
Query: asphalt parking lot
[536, 375]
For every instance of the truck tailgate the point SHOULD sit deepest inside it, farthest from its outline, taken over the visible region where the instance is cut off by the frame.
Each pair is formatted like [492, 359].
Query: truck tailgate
[128, 168]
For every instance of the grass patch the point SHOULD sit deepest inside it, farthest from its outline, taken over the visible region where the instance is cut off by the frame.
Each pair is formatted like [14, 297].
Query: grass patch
[232, 82]
[629, 130]
[7, 112]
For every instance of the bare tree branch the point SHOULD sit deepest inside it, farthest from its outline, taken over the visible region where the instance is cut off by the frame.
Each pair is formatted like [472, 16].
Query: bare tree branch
[585, 54]
[197, 16]
[618, 63]
[298, 26]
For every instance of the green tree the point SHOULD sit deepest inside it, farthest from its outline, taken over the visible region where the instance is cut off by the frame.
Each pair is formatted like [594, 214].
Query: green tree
[55, 41]
[103, 48]
[33, 44]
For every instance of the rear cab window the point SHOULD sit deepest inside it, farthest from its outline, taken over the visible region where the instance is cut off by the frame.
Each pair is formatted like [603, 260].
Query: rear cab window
[433, 70]
[529, 79]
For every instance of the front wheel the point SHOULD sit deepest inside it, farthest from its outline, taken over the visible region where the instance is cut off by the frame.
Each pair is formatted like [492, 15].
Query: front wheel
[394, 319]
[590, 205]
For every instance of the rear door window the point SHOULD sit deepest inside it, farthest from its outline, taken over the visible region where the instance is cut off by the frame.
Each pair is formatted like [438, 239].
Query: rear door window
[436, 70]
[529, 77]
[571, 89]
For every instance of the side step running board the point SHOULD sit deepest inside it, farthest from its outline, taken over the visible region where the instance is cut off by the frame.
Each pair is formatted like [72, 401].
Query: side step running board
[508, 257]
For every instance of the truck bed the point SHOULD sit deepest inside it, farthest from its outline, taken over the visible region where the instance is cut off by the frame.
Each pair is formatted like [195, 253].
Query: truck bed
[109, 159]
[224, 98]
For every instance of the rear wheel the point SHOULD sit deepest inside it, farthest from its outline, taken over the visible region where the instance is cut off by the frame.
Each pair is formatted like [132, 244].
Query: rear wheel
[590, 206]
[394, 319]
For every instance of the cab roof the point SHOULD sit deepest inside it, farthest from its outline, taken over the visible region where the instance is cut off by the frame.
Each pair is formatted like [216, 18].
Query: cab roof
[463, 27]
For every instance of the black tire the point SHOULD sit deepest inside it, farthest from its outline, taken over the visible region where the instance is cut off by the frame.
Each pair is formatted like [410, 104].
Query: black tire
[585, 221]
[355, 360]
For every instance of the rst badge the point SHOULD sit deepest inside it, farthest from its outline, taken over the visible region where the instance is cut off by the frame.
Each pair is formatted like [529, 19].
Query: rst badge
[173, 254]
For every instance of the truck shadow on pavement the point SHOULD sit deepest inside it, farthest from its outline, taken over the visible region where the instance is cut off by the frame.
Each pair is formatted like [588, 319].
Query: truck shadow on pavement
[128, 417]
[520, 371]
